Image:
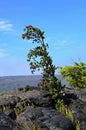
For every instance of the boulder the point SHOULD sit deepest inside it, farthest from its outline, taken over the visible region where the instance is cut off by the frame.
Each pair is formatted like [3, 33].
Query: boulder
[78, 108]
[9, 102]
[6, 123]
[75, 99]
[10, 113]
[43, 100]
[46, 118]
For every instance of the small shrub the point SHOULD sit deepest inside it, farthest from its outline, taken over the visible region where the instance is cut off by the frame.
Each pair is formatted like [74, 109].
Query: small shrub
[75, 75]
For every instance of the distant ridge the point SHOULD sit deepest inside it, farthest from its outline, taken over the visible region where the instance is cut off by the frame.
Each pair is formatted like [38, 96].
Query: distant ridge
[8, 83]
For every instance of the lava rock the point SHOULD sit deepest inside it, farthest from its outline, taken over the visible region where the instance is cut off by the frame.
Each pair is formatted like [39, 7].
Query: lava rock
[9, 102]
[77, 104]
[6, 123]
[45, 118]
[10, 113]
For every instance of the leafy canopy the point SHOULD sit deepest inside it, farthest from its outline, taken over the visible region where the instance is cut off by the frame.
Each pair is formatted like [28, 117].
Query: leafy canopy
[75, 75]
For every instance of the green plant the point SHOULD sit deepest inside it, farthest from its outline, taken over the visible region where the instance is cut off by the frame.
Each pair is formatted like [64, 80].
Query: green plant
[34, 127]
[4, 107]
[64, 110]
[75, 75]
[28, 126]
[18, 109]
[21, 106]
[78, 125]
[68, 113]
[39, 58]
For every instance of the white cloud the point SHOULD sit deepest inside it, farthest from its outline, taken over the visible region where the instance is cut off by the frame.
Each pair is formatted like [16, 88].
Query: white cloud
[5, 26]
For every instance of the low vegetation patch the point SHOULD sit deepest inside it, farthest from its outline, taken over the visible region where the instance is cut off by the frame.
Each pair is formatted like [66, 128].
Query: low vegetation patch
[68, 113]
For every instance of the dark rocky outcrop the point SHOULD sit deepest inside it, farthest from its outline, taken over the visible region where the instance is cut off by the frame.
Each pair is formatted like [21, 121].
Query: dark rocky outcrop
[6, 123]
[9, 101]
[11, 113]
[43, 112]
[46, 118]
[75, 99]
[43, 100]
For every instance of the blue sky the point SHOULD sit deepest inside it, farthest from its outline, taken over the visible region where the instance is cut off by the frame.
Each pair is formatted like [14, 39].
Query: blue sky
[64, 23]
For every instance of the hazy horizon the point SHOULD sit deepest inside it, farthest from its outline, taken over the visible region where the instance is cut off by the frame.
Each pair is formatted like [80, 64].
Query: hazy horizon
[8, 83]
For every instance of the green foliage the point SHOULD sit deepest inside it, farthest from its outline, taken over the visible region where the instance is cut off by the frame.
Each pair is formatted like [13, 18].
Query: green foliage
[77, 125]
[64, 110]
[34, 127]
[21, 106]
[25, 126]
[39, 58]
[75, 75]
[18, 109]
[68, 113]
[4, 107]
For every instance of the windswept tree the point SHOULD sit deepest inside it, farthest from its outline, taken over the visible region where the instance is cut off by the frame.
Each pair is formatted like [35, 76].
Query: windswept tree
[39, 58]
